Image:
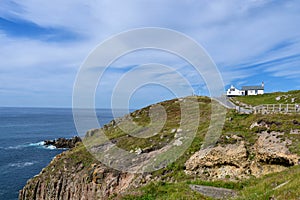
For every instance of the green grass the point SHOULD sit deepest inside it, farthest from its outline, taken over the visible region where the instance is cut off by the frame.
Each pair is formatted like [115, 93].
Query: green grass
[270, 98]
[239, 124]
[165, 135]
[166, 191]
[236, 123]
[220, 183]
[80, 155]
[265, 187]
[173, 183]
[252, 189]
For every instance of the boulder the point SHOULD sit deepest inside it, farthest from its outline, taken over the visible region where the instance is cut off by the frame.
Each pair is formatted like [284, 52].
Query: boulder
[63, 142]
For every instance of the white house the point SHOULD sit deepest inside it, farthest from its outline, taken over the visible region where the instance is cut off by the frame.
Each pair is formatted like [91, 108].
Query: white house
[232, 91]
[253, 90]
[246, 90]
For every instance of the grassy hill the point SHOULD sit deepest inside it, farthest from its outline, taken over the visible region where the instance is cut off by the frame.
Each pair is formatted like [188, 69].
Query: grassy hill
[290, 97]
[172, 182]
[281, 185]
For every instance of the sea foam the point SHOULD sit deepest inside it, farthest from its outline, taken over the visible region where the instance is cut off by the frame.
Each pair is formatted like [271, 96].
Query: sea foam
[21, 164]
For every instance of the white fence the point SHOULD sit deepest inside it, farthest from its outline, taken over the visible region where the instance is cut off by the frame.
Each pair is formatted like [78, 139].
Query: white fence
[277, 108]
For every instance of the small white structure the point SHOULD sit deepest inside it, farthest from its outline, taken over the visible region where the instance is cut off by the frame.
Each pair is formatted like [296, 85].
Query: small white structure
[232, 91]
[246, 90]
[253, 90]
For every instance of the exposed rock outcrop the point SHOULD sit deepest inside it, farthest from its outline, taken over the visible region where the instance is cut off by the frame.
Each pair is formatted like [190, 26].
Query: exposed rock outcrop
[236, 161]
[270, 149]
[219, 162]
[214, 192]
[69, 177]
[75, 174]
[63, 142]
[264, 123]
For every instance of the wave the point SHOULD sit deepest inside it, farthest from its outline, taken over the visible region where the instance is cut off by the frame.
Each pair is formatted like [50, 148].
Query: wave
[21, 164]
[51, 147]
[14, 147]
[40, 144]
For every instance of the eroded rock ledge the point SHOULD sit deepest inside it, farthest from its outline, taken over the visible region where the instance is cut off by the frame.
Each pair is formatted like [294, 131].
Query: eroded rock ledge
[75, 174]
[237, 161]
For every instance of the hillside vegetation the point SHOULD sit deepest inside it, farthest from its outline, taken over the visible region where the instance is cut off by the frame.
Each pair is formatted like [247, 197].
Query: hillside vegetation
[290, 97]
[280, 185]
[245, 158]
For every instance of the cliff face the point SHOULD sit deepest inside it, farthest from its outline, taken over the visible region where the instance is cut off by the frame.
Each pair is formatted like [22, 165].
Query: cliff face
[75, 175]
[238, 161]
[250, 145]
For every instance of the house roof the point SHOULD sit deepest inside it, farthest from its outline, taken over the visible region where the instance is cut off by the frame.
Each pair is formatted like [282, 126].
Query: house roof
[252, 88]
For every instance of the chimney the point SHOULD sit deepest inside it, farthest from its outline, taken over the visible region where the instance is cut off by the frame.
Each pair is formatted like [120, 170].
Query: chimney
[262, 84]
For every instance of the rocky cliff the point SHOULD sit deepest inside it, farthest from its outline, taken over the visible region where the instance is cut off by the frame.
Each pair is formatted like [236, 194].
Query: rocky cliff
[238, 161]
[74, 174]
[250, 146]
[63, 142]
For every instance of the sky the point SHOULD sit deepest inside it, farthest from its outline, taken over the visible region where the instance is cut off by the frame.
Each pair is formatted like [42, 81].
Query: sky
[44, 43]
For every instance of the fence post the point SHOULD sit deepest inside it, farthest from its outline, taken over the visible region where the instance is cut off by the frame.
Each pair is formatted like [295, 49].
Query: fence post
[279, 107]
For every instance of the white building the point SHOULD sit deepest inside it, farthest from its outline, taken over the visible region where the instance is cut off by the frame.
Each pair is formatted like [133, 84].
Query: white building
[232, 91]
[253, 90]
[246, 90]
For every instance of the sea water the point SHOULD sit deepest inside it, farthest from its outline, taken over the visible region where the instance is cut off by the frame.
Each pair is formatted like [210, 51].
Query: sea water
[22, 132]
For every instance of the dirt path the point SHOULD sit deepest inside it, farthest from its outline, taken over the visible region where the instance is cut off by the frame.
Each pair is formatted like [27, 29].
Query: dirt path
[214, 192]
[228, 104]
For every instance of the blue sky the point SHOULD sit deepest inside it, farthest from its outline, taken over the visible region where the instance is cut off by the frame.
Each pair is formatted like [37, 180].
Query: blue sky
[44, 43]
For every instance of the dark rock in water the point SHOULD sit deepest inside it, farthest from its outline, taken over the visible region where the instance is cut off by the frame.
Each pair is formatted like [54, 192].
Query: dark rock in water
[63, 142]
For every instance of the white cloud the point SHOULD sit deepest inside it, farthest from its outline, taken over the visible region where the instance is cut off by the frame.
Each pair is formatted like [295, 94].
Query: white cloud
[237, 34]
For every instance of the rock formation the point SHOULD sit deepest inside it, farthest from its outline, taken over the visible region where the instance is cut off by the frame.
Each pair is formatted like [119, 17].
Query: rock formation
[63, 142]
[219, 162]
[236, 161]
[71, 177]
[243, 151]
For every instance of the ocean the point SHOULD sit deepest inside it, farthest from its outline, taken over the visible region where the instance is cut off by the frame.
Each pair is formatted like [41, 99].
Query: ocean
[22, 132]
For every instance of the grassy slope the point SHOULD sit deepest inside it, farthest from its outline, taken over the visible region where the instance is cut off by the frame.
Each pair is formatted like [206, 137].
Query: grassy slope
[239, 124]
[270, 98]
[141, 117]
[261, 188]
[283, 185]
[249, 189]
[173, 183]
